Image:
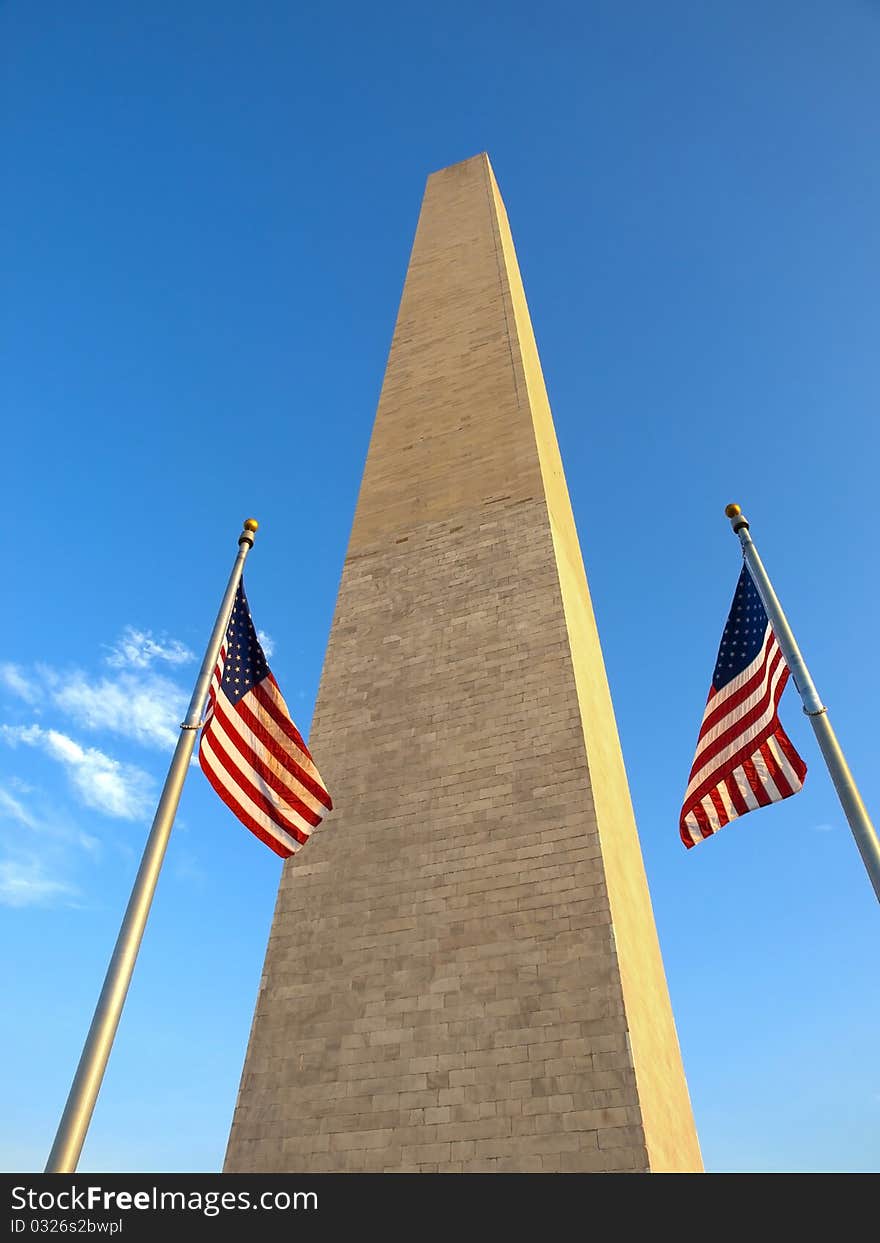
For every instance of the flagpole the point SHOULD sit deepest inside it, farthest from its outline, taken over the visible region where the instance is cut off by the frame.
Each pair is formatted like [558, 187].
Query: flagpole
[847, 791]
[89, 1073]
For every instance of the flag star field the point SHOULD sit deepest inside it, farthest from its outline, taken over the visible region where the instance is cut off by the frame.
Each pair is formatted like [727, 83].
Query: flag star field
[245, 665]
[743, 632]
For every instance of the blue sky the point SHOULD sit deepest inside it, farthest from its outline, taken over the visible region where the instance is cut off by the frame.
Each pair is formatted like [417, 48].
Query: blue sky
[204, 228]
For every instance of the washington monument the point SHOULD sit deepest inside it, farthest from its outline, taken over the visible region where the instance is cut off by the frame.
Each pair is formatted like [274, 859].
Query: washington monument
[463, 972]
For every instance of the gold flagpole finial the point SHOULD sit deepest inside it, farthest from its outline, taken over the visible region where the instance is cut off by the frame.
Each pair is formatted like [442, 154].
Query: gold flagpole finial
[247, 535]
[737, 519]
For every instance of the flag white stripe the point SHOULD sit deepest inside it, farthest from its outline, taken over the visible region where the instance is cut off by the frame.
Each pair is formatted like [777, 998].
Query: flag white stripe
[711, 813]
[738, 710]
[692, 825]
[782, 760]
[288, 746]
[763, 775]
[716, 762]
[252, 743]
[730, 688]
[745, 789]
[214, 685]
[259, 765]
[219, 736]
[305, 761]
[724, 795]
[740, 764]
[239, 796]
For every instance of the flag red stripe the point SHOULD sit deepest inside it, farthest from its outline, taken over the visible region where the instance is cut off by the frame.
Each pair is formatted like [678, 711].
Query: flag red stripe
[250, 750]
[741, 724]
[779, 778]
[718, 804]
[743, 692]
[755, 781]
[233, 776]
[737, 760]
[271, 810]
[794, 760]
[774, 659]
[256, 727]
[213, 684]
[739, 803]
[751, 735]
[708, 788]
[284, 721]
[702, 826]
[247, 820]
[239, 716]
[684, 831]
[261, 768]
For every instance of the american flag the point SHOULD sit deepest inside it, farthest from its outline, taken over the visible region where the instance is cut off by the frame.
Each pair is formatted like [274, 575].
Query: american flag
[744, 757]
[251, 751]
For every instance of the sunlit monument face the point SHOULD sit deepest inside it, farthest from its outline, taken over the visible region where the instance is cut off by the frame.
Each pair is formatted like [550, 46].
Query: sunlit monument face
[463, 971]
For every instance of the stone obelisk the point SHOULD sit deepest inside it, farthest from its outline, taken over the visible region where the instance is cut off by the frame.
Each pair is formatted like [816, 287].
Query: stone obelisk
[463, 970]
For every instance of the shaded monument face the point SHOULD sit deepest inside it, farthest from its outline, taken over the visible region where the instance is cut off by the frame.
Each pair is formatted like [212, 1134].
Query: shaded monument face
[463, 971]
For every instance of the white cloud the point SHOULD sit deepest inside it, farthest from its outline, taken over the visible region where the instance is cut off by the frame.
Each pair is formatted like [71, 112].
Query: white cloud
[145, 707]
[43, 818]
[107, 785]
[137, 649]
[27, 883]
[10, 806]
[267, 643]
[823, 828]
[13, 678]
[41, 847]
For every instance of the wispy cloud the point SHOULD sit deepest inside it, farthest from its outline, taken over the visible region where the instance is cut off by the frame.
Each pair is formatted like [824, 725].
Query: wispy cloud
[14, 679]
[106, 784]
[144, 707]
[267, 643]
[137, 649]
[823, 828]
[11, 808]
[27, 882]
[21, 787]
[32, 871]
[48, 823]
